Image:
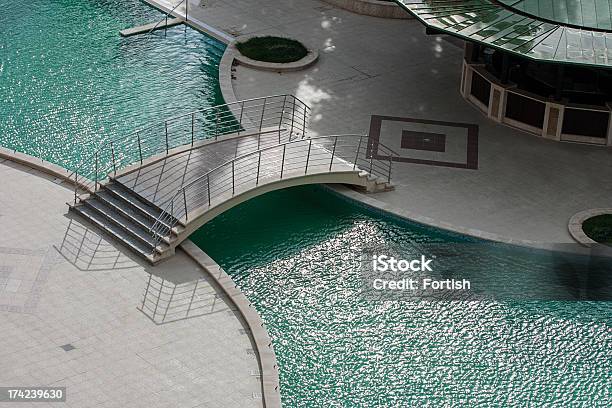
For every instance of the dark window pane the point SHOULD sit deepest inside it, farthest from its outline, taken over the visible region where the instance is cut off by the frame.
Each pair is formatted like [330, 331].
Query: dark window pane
[481, 88]
[525, 110]
[585, 123]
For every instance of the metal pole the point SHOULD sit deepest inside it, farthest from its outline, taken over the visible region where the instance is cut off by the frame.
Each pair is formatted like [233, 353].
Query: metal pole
[357, 154]
[96, 174]
[308, 156]
[331, 163]
[185, 203]
[233, 181]
[371, 157]
[76, 186]
[139, 147]
[292, 116]
[304, 124]
[186, 10]
[240, 120]
[258, 167]
[192, 127]
[263, 110]
[216, 122]
[113, 154]
[280, 121]
[283, 161]
[167, 146]
[208, 186]
[390, 165]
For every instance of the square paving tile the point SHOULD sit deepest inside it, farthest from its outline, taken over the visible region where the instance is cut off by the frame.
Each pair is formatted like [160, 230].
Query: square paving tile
[423, 141]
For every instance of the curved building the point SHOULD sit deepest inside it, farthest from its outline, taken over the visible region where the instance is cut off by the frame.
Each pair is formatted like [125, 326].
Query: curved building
[544, 66]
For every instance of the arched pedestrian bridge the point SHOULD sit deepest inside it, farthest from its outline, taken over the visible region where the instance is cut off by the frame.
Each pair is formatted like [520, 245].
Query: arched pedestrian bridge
[153, 188]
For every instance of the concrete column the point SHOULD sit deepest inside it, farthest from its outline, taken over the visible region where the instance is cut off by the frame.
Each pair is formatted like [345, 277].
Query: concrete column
[466, 79]
[609, 141]
[553, 121]
[497, 102]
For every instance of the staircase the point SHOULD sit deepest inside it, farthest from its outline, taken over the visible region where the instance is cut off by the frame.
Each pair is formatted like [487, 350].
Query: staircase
[127, 217]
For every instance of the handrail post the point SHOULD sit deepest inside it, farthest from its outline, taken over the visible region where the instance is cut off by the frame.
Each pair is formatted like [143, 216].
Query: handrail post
[113, 154]
[233, 178]
[304, 124]
[216, 122]
[186, 10]
[258, 167]
[208, 186]
[76, 186]
[192, 127]
[390, 165]
[263, 110]
[139, 147]
[331, 163]
[167, 146]
[280, 120]
[371, 158]
[96, 174]
[292, 117]
[357, 154]
[240, 120]
[185, 204]
[308, 156]
[283, 161]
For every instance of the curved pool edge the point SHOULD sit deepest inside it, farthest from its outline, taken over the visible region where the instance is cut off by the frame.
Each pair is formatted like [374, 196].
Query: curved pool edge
[41, 165]
[407, 215]
[193, 22]
[268, 367]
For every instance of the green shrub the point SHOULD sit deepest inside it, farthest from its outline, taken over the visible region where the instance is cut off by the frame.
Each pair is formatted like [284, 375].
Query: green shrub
[599, 228]
[272, 49]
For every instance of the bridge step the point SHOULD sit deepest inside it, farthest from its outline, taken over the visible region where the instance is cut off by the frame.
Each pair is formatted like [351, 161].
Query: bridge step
[127, 210]
[123, 222]
[114, 230]
[128, 218]
[129, 197]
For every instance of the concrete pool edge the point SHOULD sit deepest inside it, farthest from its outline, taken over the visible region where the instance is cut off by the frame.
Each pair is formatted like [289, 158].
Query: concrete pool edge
[40, 165]
[268, 367]
[378, 205]
[204, 28]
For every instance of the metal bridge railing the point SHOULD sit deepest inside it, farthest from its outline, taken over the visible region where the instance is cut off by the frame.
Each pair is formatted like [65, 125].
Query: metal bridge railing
[250, 116]
[170, 13]
[290, 159]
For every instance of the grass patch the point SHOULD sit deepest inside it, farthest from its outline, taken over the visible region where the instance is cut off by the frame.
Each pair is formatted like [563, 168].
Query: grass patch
[599, 228]
[272, 49]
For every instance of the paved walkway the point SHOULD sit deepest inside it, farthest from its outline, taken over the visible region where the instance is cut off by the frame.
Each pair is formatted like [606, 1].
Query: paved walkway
[62, 284]
[524, 188]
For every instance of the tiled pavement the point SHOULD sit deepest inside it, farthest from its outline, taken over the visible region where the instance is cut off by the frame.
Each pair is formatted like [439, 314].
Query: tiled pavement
[524, 188]
[87, 296]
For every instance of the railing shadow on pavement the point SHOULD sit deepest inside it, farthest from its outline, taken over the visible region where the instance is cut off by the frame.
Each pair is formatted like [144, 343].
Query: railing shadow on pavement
[164, 301]
[88, 250]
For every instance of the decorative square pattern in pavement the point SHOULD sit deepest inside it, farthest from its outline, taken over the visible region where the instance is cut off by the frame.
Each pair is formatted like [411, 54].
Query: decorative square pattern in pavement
[423, 141]
[23, 273]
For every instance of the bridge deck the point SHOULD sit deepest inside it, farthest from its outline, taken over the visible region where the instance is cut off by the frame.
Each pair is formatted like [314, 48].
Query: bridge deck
[159, 181]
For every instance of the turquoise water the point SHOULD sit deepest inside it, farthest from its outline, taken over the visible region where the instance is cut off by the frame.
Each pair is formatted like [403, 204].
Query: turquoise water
[292, 253]
[68, 80]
